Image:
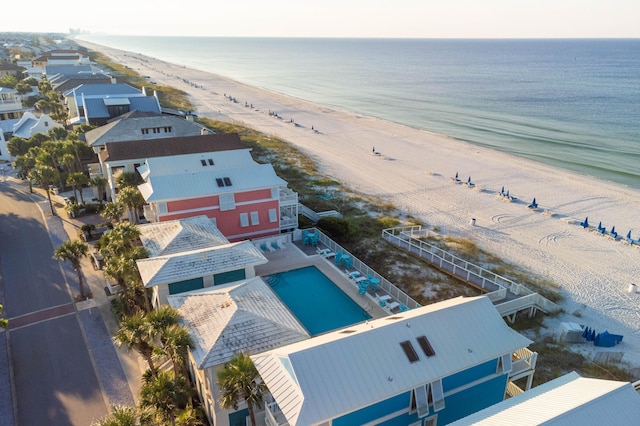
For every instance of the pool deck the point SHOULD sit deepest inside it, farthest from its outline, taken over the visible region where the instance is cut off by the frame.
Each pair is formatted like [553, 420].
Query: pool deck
[295, 257]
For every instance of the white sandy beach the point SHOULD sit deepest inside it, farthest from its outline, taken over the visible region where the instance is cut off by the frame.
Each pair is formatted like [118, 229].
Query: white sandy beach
[414, 170]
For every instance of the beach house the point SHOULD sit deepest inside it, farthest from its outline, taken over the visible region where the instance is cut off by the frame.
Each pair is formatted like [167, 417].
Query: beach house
[30, 124]
[566, 401]
[97, 103]
[428, 366]
[241, 316]
[190, 254]
[212, 175]
[11, 111]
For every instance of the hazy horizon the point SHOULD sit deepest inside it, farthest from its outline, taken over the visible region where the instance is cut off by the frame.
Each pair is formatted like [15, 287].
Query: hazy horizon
[336, 19]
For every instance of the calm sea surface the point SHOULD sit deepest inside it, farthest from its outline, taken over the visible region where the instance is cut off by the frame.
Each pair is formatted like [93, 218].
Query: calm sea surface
[574, 104]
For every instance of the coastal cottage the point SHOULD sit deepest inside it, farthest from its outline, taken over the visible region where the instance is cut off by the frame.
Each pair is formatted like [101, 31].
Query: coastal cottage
[566, 401]
[241, 316]
[30, 124]
[98, 103]
[212, 175]
[190, 254]
[11, 111]
[428, 366]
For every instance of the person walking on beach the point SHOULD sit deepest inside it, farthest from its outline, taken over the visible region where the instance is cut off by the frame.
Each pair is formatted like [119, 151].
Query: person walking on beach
[373, 149]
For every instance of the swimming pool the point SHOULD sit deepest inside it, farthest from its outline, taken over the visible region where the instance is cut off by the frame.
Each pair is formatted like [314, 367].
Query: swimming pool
[315, 300]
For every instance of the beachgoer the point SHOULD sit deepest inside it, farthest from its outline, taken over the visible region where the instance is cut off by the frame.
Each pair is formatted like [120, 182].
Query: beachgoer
[312, 128]
[373, 149]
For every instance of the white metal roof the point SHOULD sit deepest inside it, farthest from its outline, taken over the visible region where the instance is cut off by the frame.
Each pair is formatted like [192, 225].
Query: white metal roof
[177, 236]
[244, 316]
[198, 263]
[566, 401]
[203, 183]
[345, 370]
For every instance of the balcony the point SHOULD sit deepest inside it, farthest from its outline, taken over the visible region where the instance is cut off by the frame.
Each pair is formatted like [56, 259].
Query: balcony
[273, 415]
[288, 197]
[523, 364]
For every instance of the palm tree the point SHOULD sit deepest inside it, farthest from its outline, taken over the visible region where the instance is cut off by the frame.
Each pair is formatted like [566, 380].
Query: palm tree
[128, 179]
[26, 163]
[136, 333]
[121, 415]
[131, 197]
[165, 393]
[46, 175]
[176, 341]
[113, 211]
[100, 183]
[73, 251]
[77, 180]
[239, 379]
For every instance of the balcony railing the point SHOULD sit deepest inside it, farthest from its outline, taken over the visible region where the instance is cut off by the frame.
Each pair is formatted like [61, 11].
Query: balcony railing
[273, 415]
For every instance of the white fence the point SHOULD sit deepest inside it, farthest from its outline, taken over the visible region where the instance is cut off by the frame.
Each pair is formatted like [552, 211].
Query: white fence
[496, 286]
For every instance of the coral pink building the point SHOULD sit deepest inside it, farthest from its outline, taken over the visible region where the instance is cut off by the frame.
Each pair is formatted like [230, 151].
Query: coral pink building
[211, 175]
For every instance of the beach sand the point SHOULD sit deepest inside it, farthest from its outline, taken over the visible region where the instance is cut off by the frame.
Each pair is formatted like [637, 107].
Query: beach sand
[413, 171]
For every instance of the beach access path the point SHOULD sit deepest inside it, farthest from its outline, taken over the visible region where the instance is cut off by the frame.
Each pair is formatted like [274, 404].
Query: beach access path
[412, 169]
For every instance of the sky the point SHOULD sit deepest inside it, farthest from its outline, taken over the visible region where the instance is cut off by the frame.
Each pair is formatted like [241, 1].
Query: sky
[332, 18]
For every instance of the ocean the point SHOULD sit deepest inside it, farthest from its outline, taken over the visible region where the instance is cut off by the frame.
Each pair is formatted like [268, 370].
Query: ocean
[569, 103]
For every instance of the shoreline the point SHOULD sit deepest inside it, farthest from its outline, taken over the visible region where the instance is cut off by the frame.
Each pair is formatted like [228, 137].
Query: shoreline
[413, 171]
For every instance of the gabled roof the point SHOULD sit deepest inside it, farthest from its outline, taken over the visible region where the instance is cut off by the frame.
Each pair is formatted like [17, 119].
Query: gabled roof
[142, 149]
[52, 70]
[566, 401]
[223, 320]
[198, 263]
[128, 127]
[345, 370]
[64, 83]
[176, 236]
[196, 184]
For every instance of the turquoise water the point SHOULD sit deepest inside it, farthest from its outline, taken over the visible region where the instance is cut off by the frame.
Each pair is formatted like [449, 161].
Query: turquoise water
[315, 300]
[569, 103]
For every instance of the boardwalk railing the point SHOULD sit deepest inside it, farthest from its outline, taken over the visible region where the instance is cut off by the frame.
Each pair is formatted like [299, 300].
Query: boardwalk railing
[495, 286]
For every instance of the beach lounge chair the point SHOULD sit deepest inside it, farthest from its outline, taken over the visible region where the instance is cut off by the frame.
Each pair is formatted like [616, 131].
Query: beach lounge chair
[403, 307]
[258, 246]
[281, 245]
[629, 239]
[271, 247]
[613, 232]
[393, 305]
[352, 275]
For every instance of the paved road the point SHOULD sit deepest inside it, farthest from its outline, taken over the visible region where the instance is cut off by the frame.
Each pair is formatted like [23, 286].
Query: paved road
[53, 379]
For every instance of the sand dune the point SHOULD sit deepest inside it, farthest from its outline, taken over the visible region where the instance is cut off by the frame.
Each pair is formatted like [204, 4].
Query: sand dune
[413, 171]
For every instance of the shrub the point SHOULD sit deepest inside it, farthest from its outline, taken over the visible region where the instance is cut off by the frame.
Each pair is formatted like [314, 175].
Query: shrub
[336, 228]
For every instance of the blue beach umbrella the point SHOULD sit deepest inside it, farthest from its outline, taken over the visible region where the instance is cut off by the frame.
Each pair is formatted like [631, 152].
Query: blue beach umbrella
[629, 235]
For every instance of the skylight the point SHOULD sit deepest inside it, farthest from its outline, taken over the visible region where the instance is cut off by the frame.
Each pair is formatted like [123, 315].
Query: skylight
[426, 346]
[411, 353]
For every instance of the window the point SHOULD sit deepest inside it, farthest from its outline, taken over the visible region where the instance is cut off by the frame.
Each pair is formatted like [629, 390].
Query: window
[255, 219]
[422, 406]
[273, 217]
[436, 395]
[411, 354]
[426, 346]
[244, 220]
[227, 202]
[145, 131]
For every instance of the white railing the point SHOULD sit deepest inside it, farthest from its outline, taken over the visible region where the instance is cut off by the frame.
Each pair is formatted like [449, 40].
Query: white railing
[287, 197]
[525, 361]
[496, 286]
[272, 413]
[358, 265]
[315, 217]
